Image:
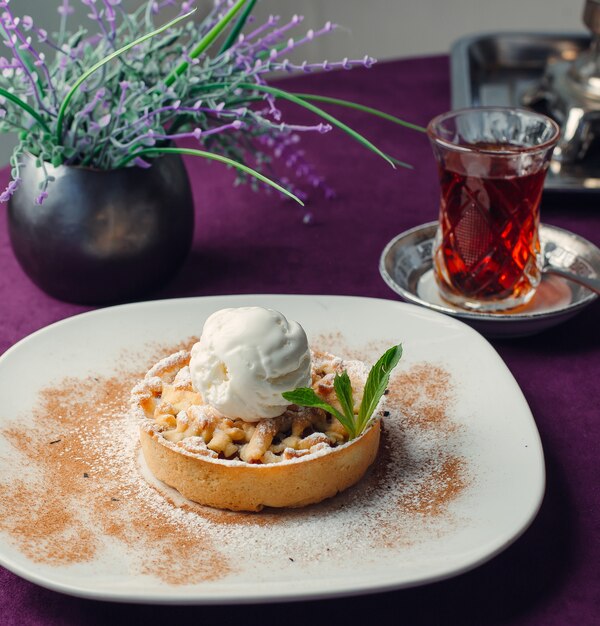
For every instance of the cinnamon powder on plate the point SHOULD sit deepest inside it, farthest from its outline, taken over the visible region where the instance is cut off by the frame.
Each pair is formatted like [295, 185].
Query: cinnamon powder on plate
[75, 485]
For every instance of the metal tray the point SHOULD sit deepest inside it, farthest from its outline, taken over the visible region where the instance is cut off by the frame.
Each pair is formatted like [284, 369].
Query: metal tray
[499, 68]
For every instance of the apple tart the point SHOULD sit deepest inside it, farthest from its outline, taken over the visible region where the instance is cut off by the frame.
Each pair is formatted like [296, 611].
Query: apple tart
[298, 458]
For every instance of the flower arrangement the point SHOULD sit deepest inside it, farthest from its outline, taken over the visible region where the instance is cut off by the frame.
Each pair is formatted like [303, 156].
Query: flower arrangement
[123, 94]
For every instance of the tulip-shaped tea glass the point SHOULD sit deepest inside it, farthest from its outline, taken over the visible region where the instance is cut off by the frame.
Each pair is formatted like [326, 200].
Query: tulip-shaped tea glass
[492, 163]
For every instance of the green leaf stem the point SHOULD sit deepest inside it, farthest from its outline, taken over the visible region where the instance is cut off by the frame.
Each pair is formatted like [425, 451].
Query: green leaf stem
[214, 157]
[237, 29]
[15, 100]
[361, 107]
[284, 95]
[206, 41]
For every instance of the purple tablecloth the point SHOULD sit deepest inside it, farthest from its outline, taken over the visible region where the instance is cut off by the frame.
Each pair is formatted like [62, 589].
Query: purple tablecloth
[256, 243]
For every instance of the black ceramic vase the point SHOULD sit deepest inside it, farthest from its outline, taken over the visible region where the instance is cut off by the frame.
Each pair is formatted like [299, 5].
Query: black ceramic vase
[103, 237]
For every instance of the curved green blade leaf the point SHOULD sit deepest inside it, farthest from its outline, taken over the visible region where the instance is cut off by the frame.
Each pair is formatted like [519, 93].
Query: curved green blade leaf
[36, 116]
[237, 29]
[279, 93]
[213, 157]
[361, 107]
[206, 41]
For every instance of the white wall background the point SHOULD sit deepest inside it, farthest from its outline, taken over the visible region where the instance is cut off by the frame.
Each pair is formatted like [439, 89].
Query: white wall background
[383, 28]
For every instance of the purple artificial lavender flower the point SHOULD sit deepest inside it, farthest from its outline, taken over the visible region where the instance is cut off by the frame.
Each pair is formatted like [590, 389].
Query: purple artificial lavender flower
[8, 22]
[66, 9]
[13, 185]
[40, 199]
[27, 23]
[157, 7]
[346, 64]
[368, 61]
[106, 127]
[25, 45]
[104, 121]
[141, 163]
[110, 11]
[90, 106]
[269, 39]
[40, 61]
[124, 85]
[293, 43]
[319, 128]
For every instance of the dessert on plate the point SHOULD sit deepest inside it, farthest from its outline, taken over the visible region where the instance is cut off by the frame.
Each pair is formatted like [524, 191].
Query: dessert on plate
[252, 417]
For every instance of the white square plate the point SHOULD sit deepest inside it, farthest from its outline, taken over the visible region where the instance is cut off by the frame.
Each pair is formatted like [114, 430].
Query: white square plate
[494, 435]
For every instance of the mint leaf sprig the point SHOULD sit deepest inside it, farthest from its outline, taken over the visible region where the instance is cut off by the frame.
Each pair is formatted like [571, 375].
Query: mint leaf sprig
[377, 382]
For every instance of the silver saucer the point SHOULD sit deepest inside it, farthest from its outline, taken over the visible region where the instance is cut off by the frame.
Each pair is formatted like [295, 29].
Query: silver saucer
[406, 266]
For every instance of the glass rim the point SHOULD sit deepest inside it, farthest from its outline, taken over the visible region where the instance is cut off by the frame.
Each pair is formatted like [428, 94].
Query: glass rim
[549, 143]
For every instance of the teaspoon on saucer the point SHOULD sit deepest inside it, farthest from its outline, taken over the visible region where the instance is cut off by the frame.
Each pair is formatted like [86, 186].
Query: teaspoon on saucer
[552, 264]
[571, 273]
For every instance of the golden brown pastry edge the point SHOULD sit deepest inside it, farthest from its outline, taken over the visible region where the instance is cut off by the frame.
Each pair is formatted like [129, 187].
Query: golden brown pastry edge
[248, 487]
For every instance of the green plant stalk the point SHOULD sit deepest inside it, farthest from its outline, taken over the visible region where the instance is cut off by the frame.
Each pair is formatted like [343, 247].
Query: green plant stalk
[361, 107]
[311, 107]
[285, 95]
[67, 99]
[205, 42]
[408, 166]
[214, 157]
[237, 29]
[36, 116]
[323, 114]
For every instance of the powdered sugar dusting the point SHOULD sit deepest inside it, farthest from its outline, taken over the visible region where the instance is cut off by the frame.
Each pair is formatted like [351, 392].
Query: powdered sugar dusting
[81, 434]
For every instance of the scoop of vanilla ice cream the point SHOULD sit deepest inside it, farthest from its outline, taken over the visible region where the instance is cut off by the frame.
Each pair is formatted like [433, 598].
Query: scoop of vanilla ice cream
[246, 358]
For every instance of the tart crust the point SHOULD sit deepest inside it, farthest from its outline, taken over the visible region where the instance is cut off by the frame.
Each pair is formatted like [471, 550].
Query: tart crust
[250, 487]
[227, 464]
